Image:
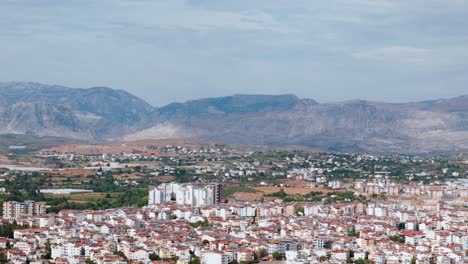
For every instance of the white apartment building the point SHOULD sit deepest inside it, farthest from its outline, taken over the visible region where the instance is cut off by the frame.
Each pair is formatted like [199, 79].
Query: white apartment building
[214, 258]
[68, 250]
[186, 194]
[247, 211]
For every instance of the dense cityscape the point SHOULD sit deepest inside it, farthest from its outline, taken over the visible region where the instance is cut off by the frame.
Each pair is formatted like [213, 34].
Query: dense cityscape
[212, 203]
[233, 132]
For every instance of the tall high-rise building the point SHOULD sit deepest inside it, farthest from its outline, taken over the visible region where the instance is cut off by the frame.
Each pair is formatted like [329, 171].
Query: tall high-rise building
[156, 196]
[218, 190]
[13, 209]
[186, 194]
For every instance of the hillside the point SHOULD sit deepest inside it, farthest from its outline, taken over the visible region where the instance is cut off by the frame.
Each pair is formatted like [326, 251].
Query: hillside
[278, 120]
[51, 110]
[357, 125]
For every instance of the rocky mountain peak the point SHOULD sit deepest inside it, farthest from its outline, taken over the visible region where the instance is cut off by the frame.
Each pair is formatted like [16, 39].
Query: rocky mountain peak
[356, 125]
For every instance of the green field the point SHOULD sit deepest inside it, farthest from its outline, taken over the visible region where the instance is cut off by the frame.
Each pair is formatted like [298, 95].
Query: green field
[229, 190]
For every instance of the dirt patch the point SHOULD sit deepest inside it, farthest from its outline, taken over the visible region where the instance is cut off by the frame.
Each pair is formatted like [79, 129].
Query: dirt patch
[165, 178]
[81, 197]
[72, 172]
[246, 196]
[125, 176]
[4, 159]
[294, 190]
[294, 183]
[262, 191]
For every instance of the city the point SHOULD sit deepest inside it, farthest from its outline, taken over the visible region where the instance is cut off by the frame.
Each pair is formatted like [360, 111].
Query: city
[211, 203]
[233, 132]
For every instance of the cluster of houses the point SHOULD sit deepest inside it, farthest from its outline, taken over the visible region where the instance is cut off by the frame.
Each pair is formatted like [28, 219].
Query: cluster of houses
[438, 189]
[384, 232]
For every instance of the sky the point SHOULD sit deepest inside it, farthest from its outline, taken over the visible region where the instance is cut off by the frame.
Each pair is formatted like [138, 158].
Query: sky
[177, 50]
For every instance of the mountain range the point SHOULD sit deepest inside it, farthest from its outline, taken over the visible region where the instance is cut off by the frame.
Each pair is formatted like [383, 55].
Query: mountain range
[280, 120]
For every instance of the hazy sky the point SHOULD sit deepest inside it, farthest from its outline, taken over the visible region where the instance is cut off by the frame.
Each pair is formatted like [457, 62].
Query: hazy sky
[175, 50]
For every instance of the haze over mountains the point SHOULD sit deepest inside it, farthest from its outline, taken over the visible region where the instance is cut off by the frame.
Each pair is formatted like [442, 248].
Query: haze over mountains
[279, 120]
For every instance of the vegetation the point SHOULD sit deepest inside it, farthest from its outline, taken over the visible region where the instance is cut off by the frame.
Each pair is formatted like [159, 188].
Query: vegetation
[276, 255]
[398, 239]
[342, 197]
[280, 194]
[361, 261]
[261, 253]
[229, 190]
[195, 260]
[200, 223]
[299, 210]
[379, 196]
[7, 229]
[325, 258]
[120, 254]
[353, 233]
[154, 257]
[329, 198]
[3, 257]
[48, 254]
[310, 197]
[26, 187]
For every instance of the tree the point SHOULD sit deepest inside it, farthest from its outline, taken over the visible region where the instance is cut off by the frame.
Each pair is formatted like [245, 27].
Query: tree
[398, 239]
[120, 254]
[200, 223]
[360, 261]
[261, 253]
[325, 258]
[195, 260]
[154, 257]
[88, 261]
[3, 257]
[172, 260]
[7, 230]
[276, 255]
[48, 248]
[300, 210]
[353, 233]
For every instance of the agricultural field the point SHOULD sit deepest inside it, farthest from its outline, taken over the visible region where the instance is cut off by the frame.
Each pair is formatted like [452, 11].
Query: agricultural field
[82, 197]
[293, 190]
[257, 193]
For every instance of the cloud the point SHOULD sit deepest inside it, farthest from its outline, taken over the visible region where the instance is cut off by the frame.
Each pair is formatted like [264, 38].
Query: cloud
[437, 60]
[174, 50]
[395, 53]
[178, 14]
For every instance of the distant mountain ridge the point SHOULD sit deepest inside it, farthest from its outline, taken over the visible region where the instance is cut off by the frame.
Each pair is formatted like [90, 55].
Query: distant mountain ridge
[239, 103]
[280, 120]
[55, 110]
